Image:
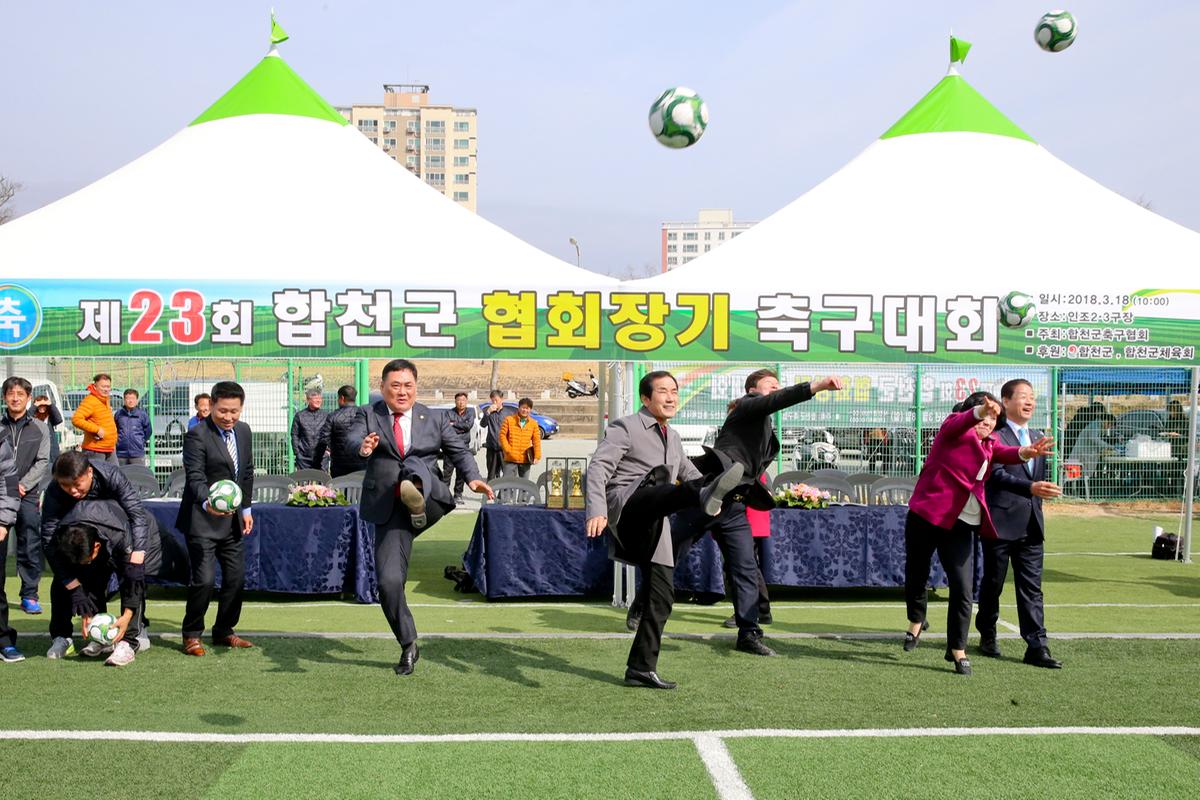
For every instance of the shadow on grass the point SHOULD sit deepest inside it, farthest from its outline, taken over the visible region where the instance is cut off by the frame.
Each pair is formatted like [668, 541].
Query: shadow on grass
[295, 655]
[509, 661]
[857, 652]
[1179, 585]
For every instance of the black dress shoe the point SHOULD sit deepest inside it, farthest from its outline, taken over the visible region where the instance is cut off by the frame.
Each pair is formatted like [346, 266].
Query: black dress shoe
[731, 622]
[911, 641]
[961, 665]
[1040, 657]
[988, 647]
[753, 644]
[632, 621]
[635, 677]
[408, 660]
[924, 626]
[712, 496]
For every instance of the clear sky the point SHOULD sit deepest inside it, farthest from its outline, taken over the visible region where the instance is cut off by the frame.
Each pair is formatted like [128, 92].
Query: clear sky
[795, 90]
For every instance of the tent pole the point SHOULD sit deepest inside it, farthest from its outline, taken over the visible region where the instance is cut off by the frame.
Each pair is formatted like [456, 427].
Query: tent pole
[1054, 426]
[778, 430]
[150, 407]
[919, 410]
[1189, 475]
[601, 399]
[361, 367]
[291, 412]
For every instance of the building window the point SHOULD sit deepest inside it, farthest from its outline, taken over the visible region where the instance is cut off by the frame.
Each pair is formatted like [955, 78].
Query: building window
[691, 248]
[435, 177]
[672, 261]
[462, 177]
[411, 144]
[435, 125]
[462, 144]
[707, 235]
[435, 144]
[412, 161]
[707, 247]
[690, 236]
[411, 127]
[435, 161]
[721, 236]
[462, 197]
[462, 161]
[462, 127]
[368, 124]
[389, 125]
[735, 234]
[374, 140]
[389, 142]
[671, 236]
[671, 248]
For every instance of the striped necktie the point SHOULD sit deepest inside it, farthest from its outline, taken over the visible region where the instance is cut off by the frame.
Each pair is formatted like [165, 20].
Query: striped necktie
[231, 446]
[1023, 438]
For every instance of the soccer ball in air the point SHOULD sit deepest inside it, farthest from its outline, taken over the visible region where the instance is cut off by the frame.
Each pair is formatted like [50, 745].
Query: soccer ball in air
[1016, 309]
[1055, 31]
[102, 629]
[678, 117]
[224, 496]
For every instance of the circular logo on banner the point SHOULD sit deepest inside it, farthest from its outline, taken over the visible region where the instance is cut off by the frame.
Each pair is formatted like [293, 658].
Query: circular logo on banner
[20, 316]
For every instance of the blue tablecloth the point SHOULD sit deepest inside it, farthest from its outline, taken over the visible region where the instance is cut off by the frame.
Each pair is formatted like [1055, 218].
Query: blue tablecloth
[301, 550]
[526, 551]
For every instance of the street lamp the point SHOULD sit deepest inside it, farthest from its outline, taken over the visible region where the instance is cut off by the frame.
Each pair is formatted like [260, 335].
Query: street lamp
[578, 257]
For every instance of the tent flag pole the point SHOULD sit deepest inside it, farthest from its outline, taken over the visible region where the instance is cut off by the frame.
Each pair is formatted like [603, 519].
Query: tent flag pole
[1189, 475]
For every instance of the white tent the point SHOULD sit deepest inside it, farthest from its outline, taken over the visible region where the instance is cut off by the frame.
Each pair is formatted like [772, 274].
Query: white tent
[954, 197]
[272, 185]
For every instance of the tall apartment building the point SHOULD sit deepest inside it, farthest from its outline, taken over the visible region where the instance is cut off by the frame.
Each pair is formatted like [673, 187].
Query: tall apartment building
[683, 241]
[437, 143]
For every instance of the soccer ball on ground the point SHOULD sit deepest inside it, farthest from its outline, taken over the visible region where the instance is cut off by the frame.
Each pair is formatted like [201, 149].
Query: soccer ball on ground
[1016, 309]
[678, 117]
[102, 629]
[1055, 31]
[224, 496]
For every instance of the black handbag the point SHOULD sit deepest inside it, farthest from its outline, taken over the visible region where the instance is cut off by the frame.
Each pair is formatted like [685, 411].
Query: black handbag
[1165, 547]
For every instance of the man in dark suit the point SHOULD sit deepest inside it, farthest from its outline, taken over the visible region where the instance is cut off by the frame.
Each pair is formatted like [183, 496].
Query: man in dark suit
[747, 437]
[218, 448]
[1014, 497]
[403, 492]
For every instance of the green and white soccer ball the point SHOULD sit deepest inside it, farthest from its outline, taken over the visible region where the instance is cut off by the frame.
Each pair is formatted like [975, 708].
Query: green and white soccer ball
[224, 496]
[678, 117]
[102, 629]
[1016, 309]
[1055, 31]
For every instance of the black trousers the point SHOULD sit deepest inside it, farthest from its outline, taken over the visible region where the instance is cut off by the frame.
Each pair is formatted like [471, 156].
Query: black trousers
[8, 636]
[956, 550]
[204, 554]
[393, 551]
[95, 579]
[452, 475]
[28, 531]
[763, 602]
[1026, 555]
[495, 463]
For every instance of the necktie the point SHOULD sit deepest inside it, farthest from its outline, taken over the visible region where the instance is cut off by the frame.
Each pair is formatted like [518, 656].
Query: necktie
[398, 432]
[1023, 438]
[231, 446]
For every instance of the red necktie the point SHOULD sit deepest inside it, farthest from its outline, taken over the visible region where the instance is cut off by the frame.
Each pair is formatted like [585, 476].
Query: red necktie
[398, 432]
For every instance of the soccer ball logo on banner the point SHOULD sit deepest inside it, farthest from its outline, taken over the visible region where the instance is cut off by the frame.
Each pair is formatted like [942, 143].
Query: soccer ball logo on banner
[678, 117]
[1016, 309]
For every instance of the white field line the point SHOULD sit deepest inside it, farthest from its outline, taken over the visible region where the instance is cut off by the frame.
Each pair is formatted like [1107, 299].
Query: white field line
[1125, 553]
[1008, 626]
[600, 636]
[722, 769]
[641, 736]
[477, 605]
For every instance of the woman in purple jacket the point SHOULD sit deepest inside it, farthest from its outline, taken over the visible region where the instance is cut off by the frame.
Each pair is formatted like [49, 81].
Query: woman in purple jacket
[946, 510]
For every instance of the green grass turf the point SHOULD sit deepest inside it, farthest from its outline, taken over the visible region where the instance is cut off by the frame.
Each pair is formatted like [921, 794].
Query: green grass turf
[489, 685]
[999, 767]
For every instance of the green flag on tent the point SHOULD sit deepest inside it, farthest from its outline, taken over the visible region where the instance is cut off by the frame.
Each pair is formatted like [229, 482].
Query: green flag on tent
[278, 34]
[959, 49]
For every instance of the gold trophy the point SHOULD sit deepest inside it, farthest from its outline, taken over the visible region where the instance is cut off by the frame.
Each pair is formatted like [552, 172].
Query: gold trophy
[555, 496]
[577, 467]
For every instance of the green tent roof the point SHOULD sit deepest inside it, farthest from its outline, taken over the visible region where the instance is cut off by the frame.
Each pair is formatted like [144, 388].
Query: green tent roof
[272, 87]
[953, 105]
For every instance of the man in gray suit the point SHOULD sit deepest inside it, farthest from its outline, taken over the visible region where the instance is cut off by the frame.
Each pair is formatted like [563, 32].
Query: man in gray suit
[638, 476]
[403, 492]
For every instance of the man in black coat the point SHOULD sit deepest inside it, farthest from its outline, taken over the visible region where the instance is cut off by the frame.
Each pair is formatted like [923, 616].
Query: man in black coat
[79, 480]
[1014, 496]
[748, 438]
[403, 492]
[30, 438]
[308, 445]
[491, 419]
[339, 432]
[462, 422]
[219, 448]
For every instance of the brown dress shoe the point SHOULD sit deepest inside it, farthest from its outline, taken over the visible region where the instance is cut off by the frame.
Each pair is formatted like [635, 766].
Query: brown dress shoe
[193, 647]
[233, 640]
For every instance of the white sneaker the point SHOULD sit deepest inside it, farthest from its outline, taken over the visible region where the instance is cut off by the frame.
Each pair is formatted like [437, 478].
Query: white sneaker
[95, 650]
[61, 647]
[122, 654]
[143, 642]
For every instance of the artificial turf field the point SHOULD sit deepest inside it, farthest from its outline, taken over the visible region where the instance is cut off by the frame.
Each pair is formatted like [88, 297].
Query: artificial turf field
[516, 700]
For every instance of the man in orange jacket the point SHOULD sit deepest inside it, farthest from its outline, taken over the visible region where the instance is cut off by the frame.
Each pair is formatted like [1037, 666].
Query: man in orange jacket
[95, 418]
[521, 440]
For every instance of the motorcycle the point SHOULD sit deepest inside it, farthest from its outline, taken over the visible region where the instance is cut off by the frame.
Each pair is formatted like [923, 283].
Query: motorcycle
[577, 388]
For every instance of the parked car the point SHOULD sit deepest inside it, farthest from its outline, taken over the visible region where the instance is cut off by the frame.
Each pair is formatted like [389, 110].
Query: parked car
[549, 425]
[814, 449]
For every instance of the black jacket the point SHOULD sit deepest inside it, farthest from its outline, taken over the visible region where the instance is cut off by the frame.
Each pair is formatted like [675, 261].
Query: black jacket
[30, 439]
[307, 441]
[1010, 497]
[748, 436]
[112, 523]
[206, 461]
[108, 483]
[339, 433]
[492, 420]
[462, 423]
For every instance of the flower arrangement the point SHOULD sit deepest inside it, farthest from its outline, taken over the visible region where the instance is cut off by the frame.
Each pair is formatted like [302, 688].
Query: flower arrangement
[315, 495]
[801, 495]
